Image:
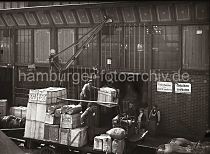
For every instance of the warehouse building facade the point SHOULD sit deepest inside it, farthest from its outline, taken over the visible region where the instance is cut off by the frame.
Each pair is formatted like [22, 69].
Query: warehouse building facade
[144, 39]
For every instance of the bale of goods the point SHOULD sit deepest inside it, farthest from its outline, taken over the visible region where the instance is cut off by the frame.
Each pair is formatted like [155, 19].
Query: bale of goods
[3, 107]
[70, 121]
[18, 111]
[71, 109]
[51, 132]
[11, 122]
[106, 94]
[51, 119]
[116, 133]
[52, 108]
[77, 137]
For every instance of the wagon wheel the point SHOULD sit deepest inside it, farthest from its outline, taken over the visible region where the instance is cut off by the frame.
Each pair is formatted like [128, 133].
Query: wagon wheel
[47, 150]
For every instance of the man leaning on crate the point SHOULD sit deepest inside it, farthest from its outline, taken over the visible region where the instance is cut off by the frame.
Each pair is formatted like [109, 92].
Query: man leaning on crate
[88, 109]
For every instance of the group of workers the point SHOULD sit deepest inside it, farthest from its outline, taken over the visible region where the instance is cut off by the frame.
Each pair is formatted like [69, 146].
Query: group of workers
[150, 122]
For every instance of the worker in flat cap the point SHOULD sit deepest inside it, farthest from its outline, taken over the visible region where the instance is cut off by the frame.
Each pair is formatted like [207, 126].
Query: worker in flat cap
[87, 94]
[88, 109]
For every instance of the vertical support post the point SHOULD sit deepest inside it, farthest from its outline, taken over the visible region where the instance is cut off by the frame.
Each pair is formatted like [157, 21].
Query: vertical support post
[144, 49]
[13, 65]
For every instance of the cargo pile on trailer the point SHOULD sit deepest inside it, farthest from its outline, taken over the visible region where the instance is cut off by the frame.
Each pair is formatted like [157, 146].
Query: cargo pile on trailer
[15, 118]
[50, 119]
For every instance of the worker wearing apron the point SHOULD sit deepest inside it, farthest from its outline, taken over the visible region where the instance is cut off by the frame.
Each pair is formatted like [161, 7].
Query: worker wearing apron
[88, 109]
[154, 120]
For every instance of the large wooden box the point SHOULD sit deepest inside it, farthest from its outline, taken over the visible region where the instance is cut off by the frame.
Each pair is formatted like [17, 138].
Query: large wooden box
[51, 132]
[31, 111]
[107, 94]
[98, 143]
[77, 137]
[18, 111]
[39, 130]
[30, 128]
[70, 121]
[51, 119]
[49, 95]
[63, 136]
[33, 95]
[41, 112]
[103, 143]
[3, 107]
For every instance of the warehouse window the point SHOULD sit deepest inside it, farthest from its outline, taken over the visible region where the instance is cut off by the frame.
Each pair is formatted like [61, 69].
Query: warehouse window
[5, 46]
[24, 50]
[65, 39]
[196, 47]
[41, 45]
[165, 47]
[90, 50]
[125, 45]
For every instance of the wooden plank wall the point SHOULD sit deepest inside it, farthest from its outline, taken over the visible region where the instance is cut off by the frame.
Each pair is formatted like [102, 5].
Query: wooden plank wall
[41, 45]
[196, 47]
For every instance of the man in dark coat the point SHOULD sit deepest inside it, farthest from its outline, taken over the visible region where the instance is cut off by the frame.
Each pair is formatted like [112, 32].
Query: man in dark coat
[154, 120]
[88, 109]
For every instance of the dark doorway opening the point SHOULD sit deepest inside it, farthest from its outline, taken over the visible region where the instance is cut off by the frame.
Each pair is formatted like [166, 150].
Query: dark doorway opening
[6, 85]
[133, 96]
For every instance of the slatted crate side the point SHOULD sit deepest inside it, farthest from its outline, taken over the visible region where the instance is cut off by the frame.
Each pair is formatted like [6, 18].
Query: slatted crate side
[184, 114]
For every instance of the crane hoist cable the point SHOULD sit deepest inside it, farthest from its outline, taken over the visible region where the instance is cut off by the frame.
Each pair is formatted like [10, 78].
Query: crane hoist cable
[85, 39]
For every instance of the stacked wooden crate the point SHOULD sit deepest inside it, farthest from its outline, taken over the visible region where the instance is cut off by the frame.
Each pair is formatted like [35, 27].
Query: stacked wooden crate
[3, 107]
[63, 125]
[71, 131]
[111, 142]
[106, 94]
[18, 111]
[38, 102]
